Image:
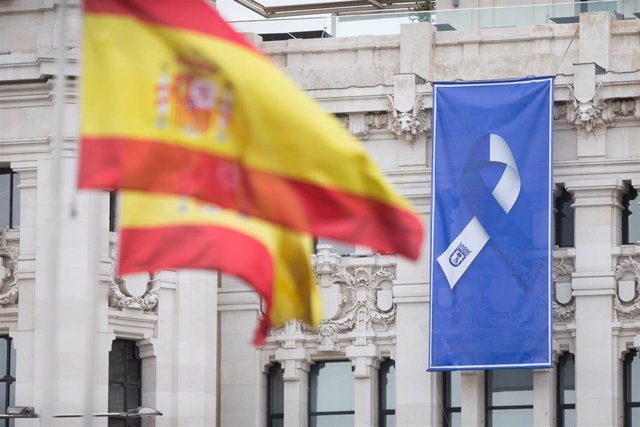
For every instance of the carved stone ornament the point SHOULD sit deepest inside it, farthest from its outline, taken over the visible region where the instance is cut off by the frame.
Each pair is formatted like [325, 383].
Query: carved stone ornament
[407, 125]
[589, 114]
[363, 305]
[121, 297]
[8, 268]
[628, 269]
[564, 304]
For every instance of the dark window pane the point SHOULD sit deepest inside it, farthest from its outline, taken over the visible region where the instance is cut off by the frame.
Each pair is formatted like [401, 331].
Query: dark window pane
[388, 389]
[5, 198]
[113, 208]
[455, 419]
[117, 422]
[3, 357]
[390, 420]
[15, 215]
[276, 391]
[631, 217]
[116, 398]
[566, 378]
[454, 389]
[346, 420]
[511, 417]
[124, 379]
[277, 423]
[12, 367]
[331, 387]
[569, 418]
[564, 220]
[510, 387]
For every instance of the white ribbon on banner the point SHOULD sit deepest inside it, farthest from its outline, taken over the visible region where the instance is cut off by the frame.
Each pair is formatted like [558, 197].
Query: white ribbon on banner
[457, 258]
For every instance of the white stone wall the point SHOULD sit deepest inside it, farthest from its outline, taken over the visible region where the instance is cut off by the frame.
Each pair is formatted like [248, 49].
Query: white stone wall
[379, 87]
[199, 367]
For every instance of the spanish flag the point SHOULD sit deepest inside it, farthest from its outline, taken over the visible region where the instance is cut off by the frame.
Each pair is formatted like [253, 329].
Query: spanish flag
[174, 101]
[159, 231]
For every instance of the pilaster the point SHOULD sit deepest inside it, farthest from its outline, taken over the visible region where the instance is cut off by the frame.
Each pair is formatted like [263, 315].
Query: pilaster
[296, 365]
[597, 216]
[472, 396]
[365, 373]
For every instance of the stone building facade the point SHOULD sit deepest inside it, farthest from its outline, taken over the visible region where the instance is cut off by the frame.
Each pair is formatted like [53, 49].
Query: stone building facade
[188, 334]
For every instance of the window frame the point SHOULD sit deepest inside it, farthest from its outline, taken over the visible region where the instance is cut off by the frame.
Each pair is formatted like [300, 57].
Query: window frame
[631, 194]
[558, 218]
[7, 379]
[488, 408]
[560, 405]
[12, 175]
[627, 382]
[447, 409]
[383, 373]
[271, 416]
[128, 422]
[310, 413]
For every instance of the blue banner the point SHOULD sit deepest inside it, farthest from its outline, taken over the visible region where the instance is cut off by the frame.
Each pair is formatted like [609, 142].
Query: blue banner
[491, 229]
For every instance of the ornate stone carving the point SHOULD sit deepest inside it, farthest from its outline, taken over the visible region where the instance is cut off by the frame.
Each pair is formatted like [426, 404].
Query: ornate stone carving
[628, 269]
[564, 305]
[589, 114]
[363, 306]
[377, 120]
[624, 107]
[407, 125]
[121, 297]
[344, 119]
[8, 268]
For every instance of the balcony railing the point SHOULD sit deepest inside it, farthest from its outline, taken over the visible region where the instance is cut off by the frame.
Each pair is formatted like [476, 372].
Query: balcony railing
[381, 23]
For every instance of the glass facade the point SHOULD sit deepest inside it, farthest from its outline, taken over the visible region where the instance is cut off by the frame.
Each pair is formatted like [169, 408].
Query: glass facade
[631, 389]
[125, 381]
[331, 399]
[9, 199]
[509, 397]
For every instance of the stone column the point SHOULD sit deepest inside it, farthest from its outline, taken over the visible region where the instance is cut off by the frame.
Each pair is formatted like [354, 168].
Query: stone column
[365, 375]
[472, 398]
[597, 219]
[296, 364]
[543, 397]
[241, 385]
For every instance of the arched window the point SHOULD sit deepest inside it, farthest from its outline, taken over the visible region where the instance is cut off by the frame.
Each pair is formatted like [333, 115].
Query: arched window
[631, 217]
[451, 386]
[275, 396]
[566, 390]
[387, 394]
[331, 399]
[564, 217]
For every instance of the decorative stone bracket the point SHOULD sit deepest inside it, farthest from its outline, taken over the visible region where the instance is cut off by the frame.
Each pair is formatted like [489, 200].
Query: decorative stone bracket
[8, 268]
[121, 297]
[407, 125]
[591, 113]
[628, 275]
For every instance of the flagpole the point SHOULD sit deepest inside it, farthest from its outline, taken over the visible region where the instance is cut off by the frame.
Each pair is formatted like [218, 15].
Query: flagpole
[95, 243]
[50, 288]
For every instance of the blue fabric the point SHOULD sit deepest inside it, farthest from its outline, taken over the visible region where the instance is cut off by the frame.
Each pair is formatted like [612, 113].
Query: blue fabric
[499, 313]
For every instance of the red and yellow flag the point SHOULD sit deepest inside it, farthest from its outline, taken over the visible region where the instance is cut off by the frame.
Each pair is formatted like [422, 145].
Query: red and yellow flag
[174, 101]
[159, 231]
